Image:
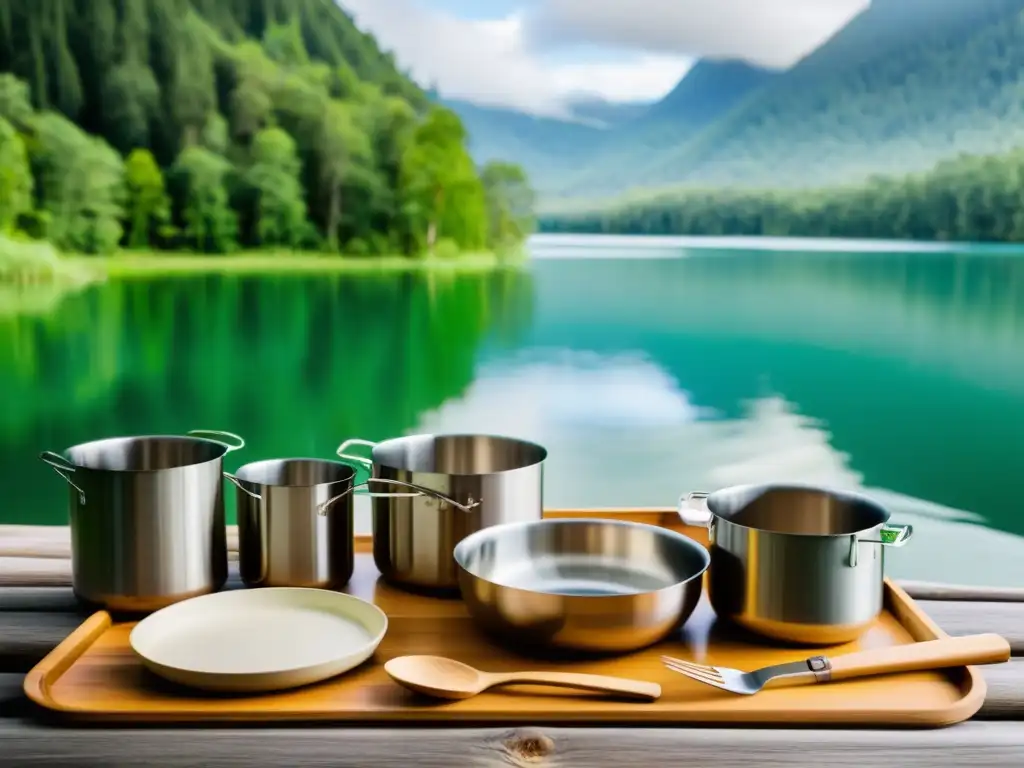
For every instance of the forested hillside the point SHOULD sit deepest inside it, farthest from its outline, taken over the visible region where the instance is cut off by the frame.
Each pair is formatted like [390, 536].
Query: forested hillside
[213, 124]
[708, 91]
[595, 155]
[548, 149]
[971, 198]
[904, 85]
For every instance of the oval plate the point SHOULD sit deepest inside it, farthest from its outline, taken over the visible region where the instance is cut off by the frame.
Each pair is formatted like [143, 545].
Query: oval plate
[259, 640]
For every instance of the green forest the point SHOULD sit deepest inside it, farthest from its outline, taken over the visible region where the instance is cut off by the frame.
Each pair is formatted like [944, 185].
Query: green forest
[212, 126]
[971, 198]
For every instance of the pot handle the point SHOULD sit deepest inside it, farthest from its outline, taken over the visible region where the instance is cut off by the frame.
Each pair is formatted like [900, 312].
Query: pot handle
[365, 461]
[888, 536]
[894, 535]
[61, 465]
[693, 509]
[419, 491]
[217, 436]
[238, 484]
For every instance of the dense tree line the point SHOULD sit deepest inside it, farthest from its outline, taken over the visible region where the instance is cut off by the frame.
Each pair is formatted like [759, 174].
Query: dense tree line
[211, 125]
[971, 198]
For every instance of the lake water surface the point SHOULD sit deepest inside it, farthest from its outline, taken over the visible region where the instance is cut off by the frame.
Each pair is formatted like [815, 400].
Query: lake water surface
[647, 372]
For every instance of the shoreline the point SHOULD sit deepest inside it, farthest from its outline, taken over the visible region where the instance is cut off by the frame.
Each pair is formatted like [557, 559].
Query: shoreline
[127, 265]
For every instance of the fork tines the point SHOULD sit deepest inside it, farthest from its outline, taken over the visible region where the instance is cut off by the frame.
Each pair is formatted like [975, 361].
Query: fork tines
[699, 672]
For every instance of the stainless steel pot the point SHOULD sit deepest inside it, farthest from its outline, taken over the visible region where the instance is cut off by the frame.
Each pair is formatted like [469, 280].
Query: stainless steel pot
[147, 517]
[497, 479]
[283, 541]
[590, 585]
[796, 563]
[295, 526]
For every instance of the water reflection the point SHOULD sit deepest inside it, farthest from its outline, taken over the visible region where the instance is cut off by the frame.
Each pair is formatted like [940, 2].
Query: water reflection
[899, 373]
[294, 365]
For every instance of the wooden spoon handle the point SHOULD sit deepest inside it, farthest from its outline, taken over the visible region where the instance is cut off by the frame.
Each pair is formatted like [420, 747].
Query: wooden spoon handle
[932, 654]
[637, 689]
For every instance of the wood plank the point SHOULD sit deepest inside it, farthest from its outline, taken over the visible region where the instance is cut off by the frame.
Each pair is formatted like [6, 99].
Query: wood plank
[927, 590]
[34, 572]
[27, 636]
[980, 745]
[13, 701]
[54, 541]
[963, 618]
[1005, 697]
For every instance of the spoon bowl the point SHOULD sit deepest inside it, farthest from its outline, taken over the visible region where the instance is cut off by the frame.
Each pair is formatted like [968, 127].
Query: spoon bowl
[450, 679]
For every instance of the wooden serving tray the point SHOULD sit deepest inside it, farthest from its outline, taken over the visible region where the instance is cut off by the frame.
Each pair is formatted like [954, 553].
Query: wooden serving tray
[93, 675]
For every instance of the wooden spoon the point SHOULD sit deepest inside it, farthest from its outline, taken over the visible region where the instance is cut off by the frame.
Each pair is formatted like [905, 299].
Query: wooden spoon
[450, 679]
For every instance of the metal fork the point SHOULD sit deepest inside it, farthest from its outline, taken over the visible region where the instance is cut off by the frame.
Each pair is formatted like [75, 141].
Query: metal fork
[913, 657]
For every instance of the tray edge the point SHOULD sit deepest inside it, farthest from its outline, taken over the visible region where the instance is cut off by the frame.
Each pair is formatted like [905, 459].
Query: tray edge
[43, 675]
[922, 628]
[908, 613]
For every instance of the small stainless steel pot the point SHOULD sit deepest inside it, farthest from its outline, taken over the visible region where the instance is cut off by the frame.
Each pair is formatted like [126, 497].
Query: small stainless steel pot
[796, 563]
[295, 525]
[147, 517]
[283, 541]
[591, 585]
[497, 479]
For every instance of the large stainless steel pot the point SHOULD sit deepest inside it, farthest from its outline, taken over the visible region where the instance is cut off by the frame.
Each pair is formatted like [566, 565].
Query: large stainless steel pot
[796, 563]
[581, 584]
[147, 517]
[497, 479]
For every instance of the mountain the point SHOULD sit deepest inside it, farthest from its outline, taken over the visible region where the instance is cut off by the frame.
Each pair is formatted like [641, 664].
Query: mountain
[604, 113]
[606, 141]
[705, 93]
[903, 85]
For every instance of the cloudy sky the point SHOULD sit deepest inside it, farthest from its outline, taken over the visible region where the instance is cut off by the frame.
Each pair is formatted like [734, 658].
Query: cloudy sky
[534, 54]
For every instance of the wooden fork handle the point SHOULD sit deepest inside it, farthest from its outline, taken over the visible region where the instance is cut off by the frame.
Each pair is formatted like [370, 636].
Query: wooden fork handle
[931, 654]
[621, 686]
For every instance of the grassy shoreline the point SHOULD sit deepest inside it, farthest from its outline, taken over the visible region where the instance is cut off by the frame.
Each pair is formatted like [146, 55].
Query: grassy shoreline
[169, 264]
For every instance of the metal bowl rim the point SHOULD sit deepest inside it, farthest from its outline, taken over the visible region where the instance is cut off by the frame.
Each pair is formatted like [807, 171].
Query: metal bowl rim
[471, 541]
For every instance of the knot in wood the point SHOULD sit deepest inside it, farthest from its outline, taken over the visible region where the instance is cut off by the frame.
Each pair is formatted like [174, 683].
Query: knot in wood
[528, 746]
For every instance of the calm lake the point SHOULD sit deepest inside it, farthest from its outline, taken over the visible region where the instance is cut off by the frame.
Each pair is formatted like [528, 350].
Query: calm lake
[648, 369]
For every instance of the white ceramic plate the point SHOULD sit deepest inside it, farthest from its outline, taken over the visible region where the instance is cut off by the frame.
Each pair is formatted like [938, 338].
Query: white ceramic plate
[257, 640]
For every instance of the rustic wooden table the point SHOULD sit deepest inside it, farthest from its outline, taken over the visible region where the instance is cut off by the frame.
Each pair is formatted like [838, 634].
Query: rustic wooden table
[37, 610]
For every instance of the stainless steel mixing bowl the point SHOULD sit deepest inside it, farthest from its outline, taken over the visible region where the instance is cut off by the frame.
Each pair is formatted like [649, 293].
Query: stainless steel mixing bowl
[590, 585]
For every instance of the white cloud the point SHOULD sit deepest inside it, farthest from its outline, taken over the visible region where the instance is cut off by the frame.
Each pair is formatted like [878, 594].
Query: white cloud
[773, 33]
[488, 61]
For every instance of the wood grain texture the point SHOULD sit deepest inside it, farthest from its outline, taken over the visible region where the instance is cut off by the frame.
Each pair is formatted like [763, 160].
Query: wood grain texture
[926, 590]
[985, 648]
[54, 541]
[964, 618]
[24, 634]
[980, 745]
[1004, 699]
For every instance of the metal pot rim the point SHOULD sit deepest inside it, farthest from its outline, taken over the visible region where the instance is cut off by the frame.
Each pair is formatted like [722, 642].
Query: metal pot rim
[471, 542]
[262, 462]
[224, 450]
[541, 451]
[851, 496]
